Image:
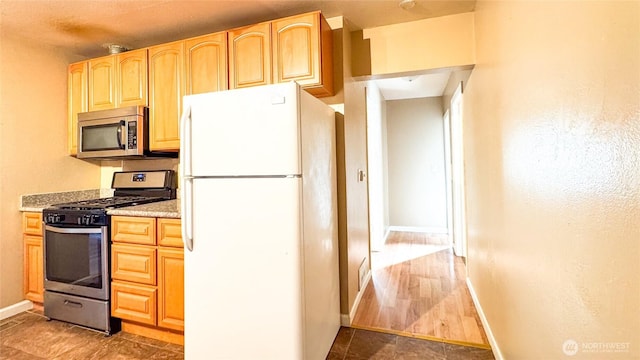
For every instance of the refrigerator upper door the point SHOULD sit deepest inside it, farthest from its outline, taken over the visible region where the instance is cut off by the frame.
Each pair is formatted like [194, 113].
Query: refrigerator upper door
[244, 132]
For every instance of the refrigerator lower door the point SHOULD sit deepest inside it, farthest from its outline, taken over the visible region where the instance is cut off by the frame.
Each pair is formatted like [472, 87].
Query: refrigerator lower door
[243, 279]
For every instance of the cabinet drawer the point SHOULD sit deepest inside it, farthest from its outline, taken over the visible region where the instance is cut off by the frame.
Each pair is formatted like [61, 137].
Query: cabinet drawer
[32, 223]
[133, 263]
[134, 302]
[169, 232]
[133, 230]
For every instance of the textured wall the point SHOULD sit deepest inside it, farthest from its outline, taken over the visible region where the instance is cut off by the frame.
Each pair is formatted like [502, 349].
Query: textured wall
[33, 146]
[552, 114]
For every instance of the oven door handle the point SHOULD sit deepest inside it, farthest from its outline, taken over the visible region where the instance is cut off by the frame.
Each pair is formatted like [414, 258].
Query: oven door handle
[64, 230]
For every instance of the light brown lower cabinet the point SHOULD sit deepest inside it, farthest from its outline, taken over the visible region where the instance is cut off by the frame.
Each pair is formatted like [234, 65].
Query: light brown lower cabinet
[33, 256]
[147, 285]
[171, 288]
[33, 270]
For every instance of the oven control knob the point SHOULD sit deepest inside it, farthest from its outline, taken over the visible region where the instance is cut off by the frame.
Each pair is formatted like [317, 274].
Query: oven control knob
[54, 218]
[95, 219]
[86, 219]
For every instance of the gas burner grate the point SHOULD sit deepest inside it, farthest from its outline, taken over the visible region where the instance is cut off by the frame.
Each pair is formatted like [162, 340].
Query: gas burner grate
[108, 203]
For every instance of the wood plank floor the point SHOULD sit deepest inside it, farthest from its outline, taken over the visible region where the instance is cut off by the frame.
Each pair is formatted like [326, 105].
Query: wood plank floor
[418, 289]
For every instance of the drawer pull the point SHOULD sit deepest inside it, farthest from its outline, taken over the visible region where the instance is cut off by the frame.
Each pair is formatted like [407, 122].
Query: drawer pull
[73, 303]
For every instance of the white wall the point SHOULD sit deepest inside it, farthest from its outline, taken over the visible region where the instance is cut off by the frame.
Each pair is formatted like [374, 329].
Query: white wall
[376, 116]
[33, 145]
[552, 140]
[417, 187]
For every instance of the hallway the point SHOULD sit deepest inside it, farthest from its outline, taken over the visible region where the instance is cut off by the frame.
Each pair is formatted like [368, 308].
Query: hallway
[418, 289]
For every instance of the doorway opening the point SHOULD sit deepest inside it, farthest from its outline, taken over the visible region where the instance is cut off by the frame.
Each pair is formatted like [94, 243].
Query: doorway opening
[414, 144]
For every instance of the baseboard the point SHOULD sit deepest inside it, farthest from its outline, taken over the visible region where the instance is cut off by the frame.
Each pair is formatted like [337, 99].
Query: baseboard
[347, 319]
[15, 309]
[487, 329]
[166, 335]
[419, 229]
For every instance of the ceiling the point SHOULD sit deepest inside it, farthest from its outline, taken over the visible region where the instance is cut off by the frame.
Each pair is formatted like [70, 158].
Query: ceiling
[83, 29]
[415, 86]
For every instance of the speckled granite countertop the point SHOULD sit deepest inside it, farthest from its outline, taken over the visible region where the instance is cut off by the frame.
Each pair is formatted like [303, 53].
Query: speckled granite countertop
[165, 209]
[38, 202]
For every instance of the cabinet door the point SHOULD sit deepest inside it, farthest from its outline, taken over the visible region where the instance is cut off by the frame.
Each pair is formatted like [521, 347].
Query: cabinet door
[206, 64]
[77, 102]
[134, 302]
[102, 83]
[250, 56]
[171, 288]
[131, 78]
[33, 268]
[133, 230]
[166, 88]
[302, 52]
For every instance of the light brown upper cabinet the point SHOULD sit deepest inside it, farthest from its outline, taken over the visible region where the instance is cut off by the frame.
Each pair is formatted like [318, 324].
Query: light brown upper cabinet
[206, 63]
[302, 52]
[77, 102]
[250, 56]
[166, 88]
[131, 78]
[102, 87]
[118, 80]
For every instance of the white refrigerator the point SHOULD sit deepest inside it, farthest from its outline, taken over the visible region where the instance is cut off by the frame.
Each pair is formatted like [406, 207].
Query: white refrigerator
[258, 203]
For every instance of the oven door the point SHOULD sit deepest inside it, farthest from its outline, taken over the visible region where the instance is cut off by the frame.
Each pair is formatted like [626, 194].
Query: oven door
[76, 261]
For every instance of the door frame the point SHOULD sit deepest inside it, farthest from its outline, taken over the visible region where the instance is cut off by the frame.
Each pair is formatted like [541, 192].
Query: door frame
[457, 169]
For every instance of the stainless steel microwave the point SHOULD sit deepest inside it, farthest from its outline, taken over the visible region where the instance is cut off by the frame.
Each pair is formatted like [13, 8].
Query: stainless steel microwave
[113, 133]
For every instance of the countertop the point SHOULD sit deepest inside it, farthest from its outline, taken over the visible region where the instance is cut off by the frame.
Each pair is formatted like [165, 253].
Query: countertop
[38, 202]
[164, 209]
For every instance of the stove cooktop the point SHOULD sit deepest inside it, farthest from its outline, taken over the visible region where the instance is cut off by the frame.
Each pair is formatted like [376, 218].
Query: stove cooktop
[130, 188]
[107, 203]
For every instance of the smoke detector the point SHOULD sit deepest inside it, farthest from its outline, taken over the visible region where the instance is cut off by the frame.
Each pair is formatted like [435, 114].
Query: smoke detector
[407, 4]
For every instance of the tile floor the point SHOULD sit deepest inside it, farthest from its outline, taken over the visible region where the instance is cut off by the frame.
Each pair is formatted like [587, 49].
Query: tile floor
[357, 344]
[29, 336]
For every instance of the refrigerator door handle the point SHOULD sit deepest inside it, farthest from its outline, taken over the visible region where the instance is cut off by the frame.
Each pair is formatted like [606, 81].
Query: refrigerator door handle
[186, 202]
[185, 141]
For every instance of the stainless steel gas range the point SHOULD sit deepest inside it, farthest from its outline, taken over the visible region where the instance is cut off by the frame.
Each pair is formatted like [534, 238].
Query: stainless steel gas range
[77, 248]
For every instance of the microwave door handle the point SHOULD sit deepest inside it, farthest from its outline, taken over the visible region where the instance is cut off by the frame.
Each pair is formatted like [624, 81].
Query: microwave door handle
[122, 125]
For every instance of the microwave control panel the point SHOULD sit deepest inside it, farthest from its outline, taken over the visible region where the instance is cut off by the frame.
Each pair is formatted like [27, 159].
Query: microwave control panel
[132, 134]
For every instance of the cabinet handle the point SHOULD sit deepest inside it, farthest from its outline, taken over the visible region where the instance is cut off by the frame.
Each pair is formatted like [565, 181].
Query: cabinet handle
[119, 133]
